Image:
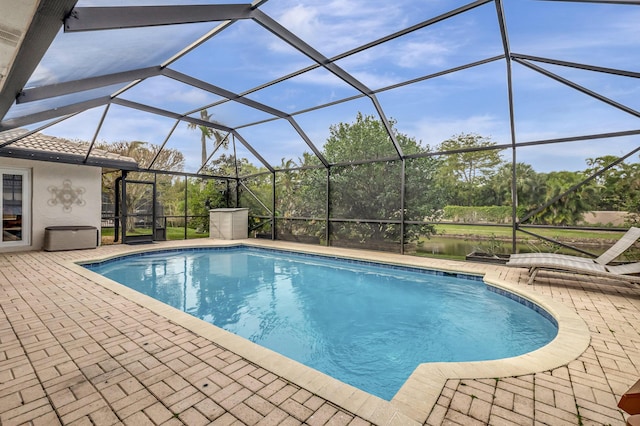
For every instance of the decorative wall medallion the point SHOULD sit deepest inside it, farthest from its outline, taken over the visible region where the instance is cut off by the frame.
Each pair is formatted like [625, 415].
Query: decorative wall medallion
[67, 196]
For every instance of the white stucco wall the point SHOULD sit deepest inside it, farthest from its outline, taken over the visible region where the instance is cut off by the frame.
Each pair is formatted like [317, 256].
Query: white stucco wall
[44, 212]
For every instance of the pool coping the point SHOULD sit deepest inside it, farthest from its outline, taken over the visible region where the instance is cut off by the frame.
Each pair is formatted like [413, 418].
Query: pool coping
[413, 403]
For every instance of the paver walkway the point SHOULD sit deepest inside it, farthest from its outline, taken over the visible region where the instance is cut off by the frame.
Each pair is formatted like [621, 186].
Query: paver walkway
[73, 352]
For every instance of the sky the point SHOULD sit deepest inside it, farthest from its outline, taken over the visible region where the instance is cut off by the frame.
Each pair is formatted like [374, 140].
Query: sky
[475, 100]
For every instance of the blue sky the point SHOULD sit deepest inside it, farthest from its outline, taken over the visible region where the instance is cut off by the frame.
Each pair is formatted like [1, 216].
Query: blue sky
[246, 55]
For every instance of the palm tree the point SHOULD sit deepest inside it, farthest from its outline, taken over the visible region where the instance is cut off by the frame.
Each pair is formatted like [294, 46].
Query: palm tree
[567, 210]
[206, 133]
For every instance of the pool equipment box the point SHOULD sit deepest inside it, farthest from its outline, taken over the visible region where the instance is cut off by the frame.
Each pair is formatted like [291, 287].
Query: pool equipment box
[58, 238]
[229, 224]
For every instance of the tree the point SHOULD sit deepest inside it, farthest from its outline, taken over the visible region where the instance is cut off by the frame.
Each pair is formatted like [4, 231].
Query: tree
[301, 193]
[143, 153]
[207, 132]
[468, 167]
[256, 193]
[202, 195]
[365, 139]
[617, 186]
[611, 185]
[170, 194]
[371, 190]
[569, 209]
[530, 187]
[288, 205]
[228, 165]
[424, 198]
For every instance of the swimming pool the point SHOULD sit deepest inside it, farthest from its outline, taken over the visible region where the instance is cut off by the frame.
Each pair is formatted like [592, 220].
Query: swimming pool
[370, 331]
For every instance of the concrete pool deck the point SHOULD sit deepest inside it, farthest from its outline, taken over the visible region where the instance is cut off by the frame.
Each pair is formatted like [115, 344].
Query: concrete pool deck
[76, 348]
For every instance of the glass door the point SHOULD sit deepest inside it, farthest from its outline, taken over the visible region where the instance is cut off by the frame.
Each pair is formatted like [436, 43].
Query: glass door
[15, 207]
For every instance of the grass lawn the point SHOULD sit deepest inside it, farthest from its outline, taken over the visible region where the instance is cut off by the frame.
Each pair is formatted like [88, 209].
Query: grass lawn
[173, 233]
[444, 230]
[499, 232]
[461, 232]
[178, 234]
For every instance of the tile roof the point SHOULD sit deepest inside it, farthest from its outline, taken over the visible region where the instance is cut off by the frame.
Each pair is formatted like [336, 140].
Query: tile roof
[46, 143]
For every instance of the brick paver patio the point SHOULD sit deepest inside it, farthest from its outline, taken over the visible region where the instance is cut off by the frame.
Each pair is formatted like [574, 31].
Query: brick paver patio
[74, 352]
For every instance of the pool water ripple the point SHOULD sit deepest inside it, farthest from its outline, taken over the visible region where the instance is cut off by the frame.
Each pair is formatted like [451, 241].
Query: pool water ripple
[362, 323]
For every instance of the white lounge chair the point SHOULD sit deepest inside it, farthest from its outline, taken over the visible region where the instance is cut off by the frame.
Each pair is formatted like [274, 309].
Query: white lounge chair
[582, 265]
[626, 241]
[535, 264]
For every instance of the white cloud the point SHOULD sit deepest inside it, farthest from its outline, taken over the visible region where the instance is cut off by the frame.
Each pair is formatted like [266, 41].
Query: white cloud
[572, 156]
[168, 94]
[81, 126]
[434, 130]
[121, 124]
[339, 25]
[417, 53]
[251, 53]
[124, 124]
[190, 96]
[320, 77]
[606, 35]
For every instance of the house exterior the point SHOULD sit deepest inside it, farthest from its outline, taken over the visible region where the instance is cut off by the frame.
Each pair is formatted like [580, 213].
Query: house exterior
[38, 193]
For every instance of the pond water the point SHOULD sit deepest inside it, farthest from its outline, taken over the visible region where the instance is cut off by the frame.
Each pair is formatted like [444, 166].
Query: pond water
[451, 246]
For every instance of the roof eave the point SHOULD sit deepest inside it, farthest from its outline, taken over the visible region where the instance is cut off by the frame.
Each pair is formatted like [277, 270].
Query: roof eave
[28, 154]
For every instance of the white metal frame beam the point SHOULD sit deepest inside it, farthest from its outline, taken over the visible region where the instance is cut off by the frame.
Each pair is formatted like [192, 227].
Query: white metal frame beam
[44, 27]
[300, 45]
[75, 86]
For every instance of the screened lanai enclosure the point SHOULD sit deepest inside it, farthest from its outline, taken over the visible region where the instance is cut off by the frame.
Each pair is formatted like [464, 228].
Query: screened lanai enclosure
[378, 124]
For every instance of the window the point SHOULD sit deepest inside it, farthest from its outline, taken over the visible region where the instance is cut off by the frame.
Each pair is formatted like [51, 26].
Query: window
[16, 207]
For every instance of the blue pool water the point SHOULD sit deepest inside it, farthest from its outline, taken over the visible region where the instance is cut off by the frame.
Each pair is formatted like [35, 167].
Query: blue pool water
[363, 323]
